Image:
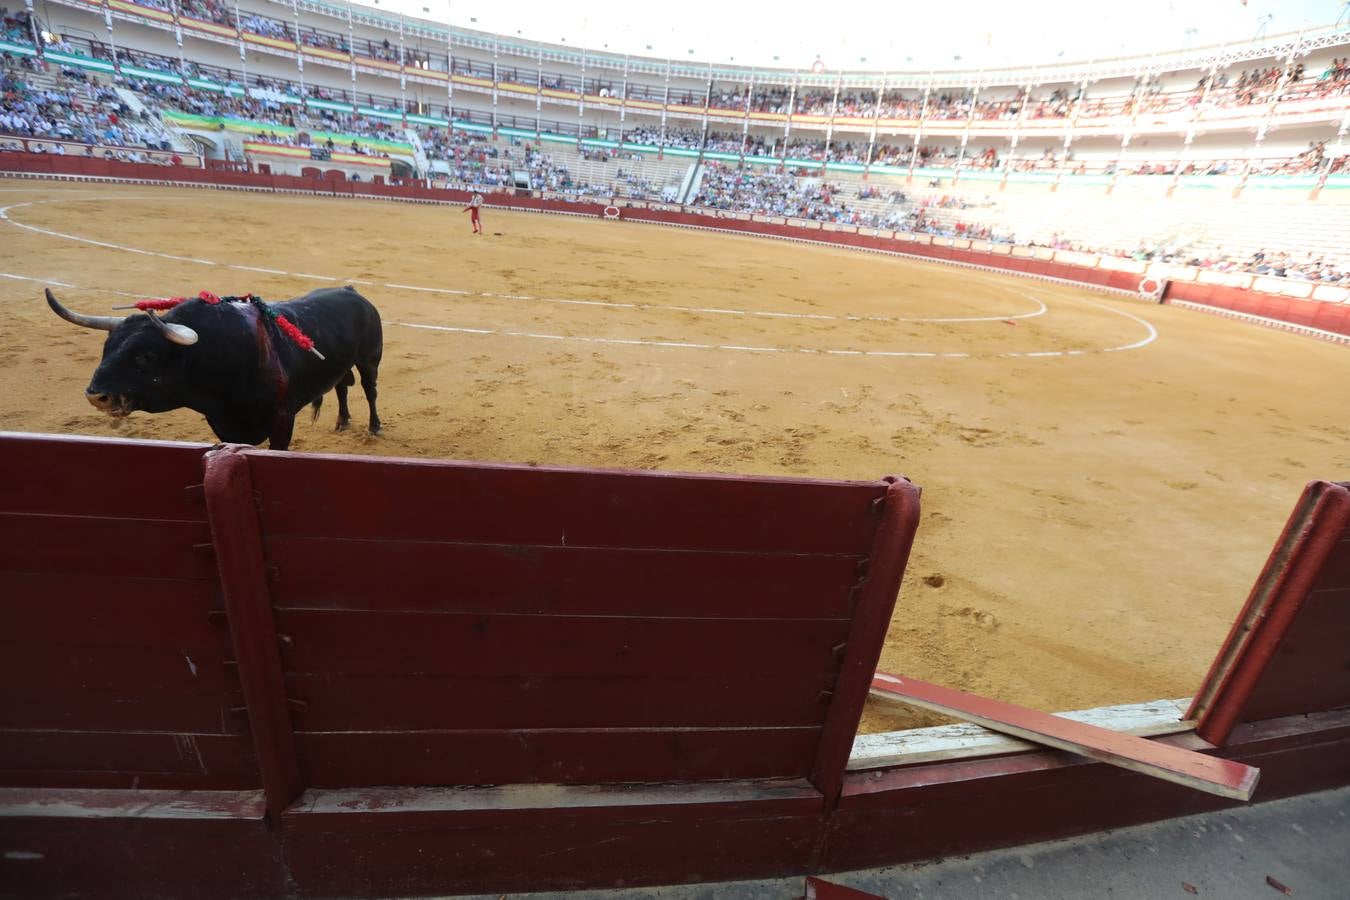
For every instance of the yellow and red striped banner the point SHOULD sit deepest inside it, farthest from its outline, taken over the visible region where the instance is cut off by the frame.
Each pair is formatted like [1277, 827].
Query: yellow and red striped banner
[262, 148]
[326, 53]
[279, 44]
[374, 63]
[138, 10]
[208, 27]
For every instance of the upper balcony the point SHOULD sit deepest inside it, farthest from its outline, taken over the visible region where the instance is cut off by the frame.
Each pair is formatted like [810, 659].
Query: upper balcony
[1135, 96]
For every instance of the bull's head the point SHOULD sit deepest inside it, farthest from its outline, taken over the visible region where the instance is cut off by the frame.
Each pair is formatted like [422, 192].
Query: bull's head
[140, 358]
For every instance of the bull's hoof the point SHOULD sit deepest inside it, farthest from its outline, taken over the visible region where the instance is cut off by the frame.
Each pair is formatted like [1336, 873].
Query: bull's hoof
[342, 426]
[377, 431]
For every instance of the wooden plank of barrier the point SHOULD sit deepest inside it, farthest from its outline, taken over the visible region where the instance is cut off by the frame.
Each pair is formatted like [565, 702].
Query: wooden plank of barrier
[885, 567]
[1295, 619]
[236, 536]
[1209, 774]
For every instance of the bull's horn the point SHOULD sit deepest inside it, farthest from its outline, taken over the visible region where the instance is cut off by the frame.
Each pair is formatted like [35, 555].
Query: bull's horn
[179, 334]
[101, 323]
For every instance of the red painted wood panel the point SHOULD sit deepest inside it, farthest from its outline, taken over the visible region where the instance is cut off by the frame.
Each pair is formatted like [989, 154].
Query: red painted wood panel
[819, 889]
[867, 633]
[153, 669]
[1288, 651]
[100, 477]
[358, 810]
[58, 607]
[391, 643]
[336, 702]
[135, 548]
[198, 755]
[1312, 669]
[117, 704]
[86, 652]
[553, 756]
[410, 499]
[231, 505]
[341, 574]
[1336, 570]
[531, 859]
[141, 857]
[127, 779]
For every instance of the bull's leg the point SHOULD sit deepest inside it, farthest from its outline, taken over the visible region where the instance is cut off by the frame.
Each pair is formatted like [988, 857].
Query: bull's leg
[369, 373]
[282, 427]
[344, 414]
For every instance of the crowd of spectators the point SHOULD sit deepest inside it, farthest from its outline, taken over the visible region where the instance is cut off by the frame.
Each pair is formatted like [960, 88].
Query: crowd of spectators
[789, 194]
[1279, 264]
[1148, 94]
[265, 27]
[324, 40]
[161, 5]
[208, 11]
[723, 142]
[15, 27]
[267, 104]
[771, 100]
[70, 107]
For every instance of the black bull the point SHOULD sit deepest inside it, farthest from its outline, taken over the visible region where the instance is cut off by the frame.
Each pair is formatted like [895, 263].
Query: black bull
[231, 363]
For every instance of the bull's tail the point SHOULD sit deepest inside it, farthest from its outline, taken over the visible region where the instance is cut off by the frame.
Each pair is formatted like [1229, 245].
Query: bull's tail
[314, 409]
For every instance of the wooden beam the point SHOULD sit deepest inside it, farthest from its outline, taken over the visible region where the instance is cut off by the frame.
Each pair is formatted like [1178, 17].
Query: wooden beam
[237, 539]
[1270, 665]
[942, 743]
[1210, 774]
[877, 592]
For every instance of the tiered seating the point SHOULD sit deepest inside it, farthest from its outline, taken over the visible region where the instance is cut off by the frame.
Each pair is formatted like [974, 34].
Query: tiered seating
[76, 108]
[644, 176]
[1200, 222]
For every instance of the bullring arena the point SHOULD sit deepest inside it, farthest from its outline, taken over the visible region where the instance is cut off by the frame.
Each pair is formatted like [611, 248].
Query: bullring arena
[1102, 476]
[848, 462]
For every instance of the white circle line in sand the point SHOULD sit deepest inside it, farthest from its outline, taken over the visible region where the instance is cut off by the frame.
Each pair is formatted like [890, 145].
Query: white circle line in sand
[1151, 336]
[706, 310]
[689, 345]
[825, 351]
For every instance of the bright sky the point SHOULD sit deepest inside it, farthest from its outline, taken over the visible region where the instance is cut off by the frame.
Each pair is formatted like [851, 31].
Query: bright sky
[877, 34]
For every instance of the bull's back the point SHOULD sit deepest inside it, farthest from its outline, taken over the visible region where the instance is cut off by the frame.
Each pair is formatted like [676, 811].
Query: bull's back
[341, 318]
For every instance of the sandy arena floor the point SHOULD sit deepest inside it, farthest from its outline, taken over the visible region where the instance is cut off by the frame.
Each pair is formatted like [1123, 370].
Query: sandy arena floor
[1092, 522]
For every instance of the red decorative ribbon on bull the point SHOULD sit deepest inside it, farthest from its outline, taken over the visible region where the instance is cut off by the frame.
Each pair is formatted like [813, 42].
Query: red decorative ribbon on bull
[287, 327]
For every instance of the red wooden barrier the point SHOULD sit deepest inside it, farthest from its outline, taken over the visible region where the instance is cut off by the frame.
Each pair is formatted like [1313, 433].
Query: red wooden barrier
[432, 622]
[551, 573]
[108, 603]
[1298, 611]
